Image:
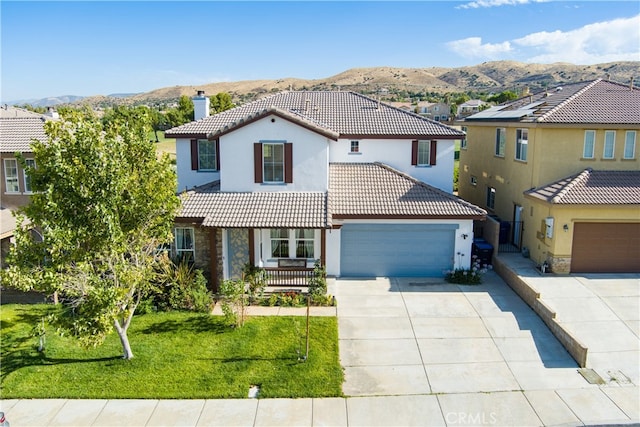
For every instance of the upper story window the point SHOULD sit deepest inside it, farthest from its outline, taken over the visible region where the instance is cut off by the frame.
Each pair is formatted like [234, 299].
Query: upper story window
[184, 241]
[463, 142]
[205, 155]
[11, 176]
[423, 153]
[522, 143]
[588, 151]
[31, 164]
[355, 146]
[609, 144]
[273, 162]
[630, 145]
[501, 140]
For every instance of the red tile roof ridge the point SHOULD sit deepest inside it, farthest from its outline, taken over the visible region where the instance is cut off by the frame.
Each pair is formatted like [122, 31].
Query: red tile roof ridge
[568, 100]
[582, 176]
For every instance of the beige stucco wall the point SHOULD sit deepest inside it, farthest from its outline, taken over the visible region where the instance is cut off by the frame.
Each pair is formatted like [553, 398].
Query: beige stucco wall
[554, 152]
[557, 249]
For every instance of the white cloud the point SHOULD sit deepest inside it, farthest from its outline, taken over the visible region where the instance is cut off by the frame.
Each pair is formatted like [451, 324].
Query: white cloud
[609, 41]
[472, 47]
[494, 3]
[616, 40]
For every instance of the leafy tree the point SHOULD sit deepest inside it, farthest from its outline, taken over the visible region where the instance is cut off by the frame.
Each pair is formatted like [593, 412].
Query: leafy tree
[103, 203]
[181, 114]
[220, 102]
[501, 97]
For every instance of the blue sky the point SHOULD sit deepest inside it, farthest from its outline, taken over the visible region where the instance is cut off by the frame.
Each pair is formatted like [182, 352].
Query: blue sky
[99, 48]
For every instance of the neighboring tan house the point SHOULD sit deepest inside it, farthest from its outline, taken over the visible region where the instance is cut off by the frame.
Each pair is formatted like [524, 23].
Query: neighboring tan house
[560, 170]
[438, 111]
[470, 107]
[362, 186]
[18, 128]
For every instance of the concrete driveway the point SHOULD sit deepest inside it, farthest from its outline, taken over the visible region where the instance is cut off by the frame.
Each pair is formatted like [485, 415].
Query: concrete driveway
[416, 336]
[466, 346]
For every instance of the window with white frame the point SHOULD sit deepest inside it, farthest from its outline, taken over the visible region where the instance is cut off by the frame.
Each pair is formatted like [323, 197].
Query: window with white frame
[588, 151]
[207, 155]
[522, 143]
[463, 142]
[31, 164]
[630, 145]
[609, 144]
[424, 151]
[305, 242]
[501, 140]
[273, 162]
[279, 243]
[355, 146]
[11, 176]
[184, 241]
[491, 197]
[292, 243]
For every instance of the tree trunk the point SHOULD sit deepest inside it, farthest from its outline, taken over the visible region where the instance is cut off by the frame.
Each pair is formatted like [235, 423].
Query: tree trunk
[124, 340]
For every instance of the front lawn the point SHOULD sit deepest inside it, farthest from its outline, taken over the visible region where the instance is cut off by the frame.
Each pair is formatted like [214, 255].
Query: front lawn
[177, 355]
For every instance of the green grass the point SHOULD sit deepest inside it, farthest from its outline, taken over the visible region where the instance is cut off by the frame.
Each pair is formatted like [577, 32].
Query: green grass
[164, 145]
[177, 355]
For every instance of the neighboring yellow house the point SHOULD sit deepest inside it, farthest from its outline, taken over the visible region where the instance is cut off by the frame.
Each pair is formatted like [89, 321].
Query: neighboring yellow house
[550, 167]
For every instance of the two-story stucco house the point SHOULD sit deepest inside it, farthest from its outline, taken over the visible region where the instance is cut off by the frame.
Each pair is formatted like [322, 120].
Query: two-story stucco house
[562, 165]
[18, 128]
[336, 176]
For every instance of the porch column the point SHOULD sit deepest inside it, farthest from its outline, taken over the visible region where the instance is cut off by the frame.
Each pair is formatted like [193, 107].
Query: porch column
[252, 251]
[213, 259]
[323, 246]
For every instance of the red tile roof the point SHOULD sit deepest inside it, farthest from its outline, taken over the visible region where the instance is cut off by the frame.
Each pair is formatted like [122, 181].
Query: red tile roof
[592, 187]
[346, 114]
[593, 102]
[356, 190]
[16, 134]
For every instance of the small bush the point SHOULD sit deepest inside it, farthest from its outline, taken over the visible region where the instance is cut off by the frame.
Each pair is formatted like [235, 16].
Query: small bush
[182, 287]
[471, 276]
[318, 281]
[232, 301]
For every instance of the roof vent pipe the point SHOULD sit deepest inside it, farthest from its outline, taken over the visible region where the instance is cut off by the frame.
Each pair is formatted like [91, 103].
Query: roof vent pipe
[631, 83]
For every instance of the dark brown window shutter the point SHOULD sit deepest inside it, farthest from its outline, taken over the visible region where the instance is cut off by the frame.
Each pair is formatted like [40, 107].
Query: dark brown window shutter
[414, 152]
[432, 155]
[257, 162]
[194, 154]
[288, 162]
[217, 154]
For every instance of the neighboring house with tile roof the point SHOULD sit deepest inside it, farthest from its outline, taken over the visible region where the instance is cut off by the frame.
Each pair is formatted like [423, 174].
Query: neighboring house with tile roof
[559, 168]
[297, 176]
[18, 128]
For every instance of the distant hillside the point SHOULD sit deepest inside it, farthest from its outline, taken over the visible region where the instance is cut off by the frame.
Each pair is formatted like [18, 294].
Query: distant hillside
[48, 102]
[392, 83]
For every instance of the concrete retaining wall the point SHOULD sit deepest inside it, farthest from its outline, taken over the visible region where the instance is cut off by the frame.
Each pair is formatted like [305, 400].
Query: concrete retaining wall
[575, 348]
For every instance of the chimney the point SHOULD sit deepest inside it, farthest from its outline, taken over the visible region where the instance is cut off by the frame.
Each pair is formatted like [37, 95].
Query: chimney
[51, 112]
[200, 106]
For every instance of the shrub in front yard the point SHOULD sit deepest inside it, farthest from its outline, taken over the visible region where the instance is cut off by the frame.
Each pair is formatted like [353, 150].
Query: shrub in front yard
[470, 276]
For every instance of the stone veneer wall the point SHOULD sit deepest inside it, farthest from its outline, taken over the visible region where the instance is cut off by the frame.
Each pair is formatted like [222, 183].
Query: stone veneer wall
[560, 264]
[203, 253]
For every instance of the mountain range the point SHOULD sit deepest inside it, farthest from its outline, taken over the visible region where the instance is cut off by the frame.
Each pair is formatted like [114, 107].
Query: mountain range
[488, 77]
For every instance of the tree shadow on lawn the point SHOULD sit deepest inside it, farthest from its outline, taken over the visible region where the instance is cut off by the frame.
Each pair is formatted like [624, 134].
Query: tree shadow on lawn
[200, 324]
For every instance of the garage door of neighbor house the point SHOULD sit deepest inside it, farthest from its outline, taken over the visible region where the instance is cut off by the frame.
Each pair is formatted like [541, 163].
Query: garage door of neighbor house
[606, 248]
[402, 250]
